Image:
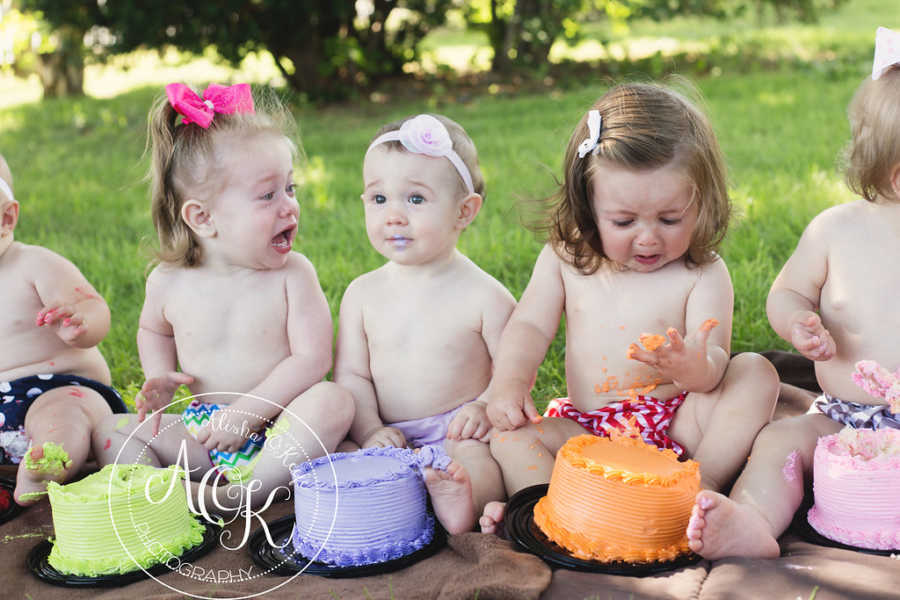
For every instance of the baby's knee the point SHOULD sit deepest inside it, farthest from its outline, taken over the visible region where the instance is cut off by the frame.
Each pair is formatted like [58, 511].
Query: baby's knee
[505, 444]
[328, 402]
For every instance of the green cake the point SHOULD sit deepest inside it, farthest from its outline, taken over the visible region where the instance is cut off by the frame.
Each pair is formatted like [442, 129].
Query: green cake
[84, 511]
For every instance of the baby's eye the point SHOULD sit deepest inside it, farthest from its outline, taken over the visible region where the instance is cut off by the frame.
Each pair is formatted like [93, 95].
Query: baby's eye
[622, 222]
[268, 196]
[416, 199]
[379, 199]
[666, 221]
[291, 189]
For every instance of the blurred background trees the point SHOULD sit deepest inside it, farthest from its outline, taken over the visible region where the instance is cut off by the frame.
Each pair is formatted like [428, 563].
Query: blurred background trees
[325, 49]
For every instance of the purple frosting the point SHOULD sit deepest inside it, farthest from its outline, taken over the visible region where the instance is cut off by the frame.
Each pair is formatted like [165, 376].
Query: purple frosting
[363, 507]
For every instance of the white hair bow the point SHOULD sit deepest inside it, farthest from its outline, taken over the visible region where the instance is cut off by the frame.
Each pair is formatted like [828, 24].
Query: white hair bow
[887, 51]
[591, 142]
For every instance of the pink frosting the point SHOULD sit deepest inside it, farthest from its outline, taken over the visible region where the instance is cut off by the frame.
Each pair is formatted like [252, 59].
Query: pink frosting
[856, 483]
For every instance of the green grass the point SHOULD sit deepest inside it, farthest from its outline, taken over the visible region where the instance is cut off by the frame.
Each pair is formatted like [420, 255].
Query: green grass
[78, 166]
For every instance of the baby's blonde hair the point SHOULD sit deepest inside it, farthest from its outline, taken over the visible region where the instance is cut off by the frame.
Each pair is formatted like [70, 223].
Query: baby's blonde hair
[462, 145]
[644, 126]
[184, 160]
[874, 148]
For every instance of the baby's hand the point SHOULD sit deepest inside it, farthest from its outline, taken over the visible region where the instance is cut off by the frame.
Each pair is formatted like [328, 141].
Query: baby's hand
[69, 323]
[681, 359]
[510, 408]
[810, 337]
[157, 393]
[226, 431]
[385, 437]
[471, 422]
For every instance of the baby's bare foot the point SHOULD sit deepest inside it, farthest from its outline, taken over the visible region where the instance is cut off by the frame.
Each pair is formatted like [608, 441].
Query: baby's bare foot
[39, 465]
[451, 497]
[491, 520]
[720, 527]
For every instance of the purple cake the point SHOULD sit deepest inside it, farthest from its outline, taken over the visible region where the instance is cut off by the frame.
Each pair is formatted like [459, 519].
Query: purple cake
[364, 507]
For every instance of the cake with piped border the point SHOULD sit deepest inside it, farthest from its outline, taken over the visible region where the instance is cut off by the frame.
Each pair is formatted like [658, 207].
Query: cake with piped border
[618, 499]
[364, 507]
[119, 519]
[856, 486]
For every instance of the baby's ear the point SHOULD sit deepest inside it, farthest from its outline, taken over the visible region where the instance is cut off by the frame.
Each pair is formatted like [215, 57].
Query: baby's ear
[9, 218]
[895, 181]
[196, 216]
[468, 210]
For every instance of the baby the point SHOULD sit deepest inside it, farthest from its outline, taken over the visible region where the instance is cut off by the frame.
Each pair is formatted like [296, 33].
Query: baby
[417, 336]
[231, 311]
[833, 312]
[633, 233]
[54, 383]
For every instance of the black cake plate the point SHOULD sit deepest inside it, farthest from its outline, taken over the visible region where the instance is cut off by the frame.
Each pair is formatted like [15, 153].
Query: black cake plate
[286, 561]
[522, 530]
[802, 528]
[38, 565]
[8, 507]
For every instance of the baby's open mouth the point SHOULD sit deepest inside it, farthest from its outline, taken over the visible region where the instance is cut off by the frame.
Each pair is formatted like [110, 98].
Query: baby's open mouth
[282, 242]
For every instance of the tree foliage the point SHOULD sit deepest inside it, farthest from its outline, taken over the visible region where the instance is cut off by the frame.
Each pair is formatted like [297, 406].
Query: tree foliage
[324, 48]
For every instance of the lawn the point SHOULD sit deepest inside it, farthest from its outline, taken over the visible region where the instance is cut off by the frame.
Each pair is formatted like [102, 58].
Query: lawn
[79, 167]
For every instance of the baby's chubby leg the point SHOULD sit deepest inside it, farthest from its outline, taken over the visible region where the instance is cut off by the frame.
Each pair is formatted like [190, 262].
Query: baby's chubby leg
[717, 428]
[122, 439]
[59, 424]
[525, 457]
[765, 496]
[311, 425]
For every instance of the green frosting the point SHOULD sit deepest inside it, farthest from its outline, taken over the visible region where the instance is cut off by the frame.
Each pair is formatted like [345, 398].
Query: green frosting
[55, 459]
[122, 422]
[148, 532]
[28, 496]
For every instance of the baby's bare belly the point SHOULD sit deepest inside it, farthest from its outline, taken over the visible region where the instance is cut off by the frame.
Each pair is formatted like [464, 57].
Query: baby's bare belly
[75, 361]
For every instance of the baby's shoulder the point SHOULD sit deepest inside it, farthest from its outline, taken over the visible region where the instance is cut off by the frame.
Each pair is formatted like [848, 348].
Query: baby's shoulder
[477, 281]
[839, 219]
[36, 260]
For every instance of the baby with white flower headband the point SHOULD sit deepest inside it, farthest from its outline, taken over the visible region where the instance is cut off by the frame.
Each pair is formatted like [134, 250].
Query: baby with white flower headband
[417, 336]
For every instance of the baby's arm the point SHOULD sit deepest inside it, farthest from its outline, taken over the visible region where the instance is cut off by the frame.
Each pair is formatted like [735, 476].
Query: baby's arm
[472, 420]
[156, 349]
[351, 370]
[524, 343]
[309, 330]
[793, 301]
[71, 304]
[697, 361]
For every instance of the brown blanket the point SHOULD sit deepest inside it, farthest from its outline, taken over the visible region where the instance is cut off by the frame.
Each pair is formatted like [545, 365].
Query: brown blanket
[474, 565]
[471, 565]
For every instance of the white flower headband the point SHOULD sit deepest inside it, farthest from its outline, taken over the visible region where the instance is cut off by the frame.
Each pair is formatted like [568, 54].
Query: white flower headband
[424, 134]
[592, 141]
[887, 51]
[4, 187]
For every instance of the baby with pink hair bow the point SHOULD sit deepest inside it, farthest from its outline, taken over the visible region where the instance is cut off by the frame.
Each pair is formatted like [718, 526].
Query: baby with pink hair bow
[417, 336]
[231, 309]
[827, 304]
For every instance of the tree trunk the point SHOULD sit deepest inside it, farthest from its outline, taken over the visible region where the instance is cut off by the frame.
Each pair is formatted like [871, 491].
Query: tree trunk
[62, 71]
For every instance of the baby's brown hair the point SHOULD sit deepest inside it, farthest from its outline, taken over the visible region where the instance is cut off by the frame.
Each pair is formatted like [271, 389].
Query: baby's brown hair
[184, 159]
[874, 149]
[643, 127]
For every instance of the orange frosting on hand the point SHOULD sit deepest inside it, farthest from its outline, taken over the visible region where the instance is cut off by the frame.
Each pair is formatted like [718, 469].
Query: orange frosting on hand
[618, 500]
[652, 341]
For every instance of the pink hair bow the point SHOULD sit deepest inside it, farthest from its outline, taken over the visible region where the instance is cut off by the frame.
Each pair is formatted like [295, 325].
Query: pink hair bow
[887, 51]
[216, 99]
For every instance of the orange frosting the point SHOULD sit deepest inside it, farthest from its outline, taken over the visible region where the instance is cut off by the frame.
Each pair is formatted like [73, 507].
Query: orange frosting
[652, 341]
[618, 499]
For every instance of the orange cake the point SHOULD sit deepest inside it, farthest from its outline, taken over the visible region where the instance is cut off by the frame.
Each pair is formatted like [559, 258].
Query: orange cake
[618, 499]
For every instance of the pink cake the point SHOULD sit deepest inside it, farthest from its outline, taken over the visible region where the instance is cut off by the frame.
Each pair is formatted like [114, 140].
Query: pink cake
[856, 484]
